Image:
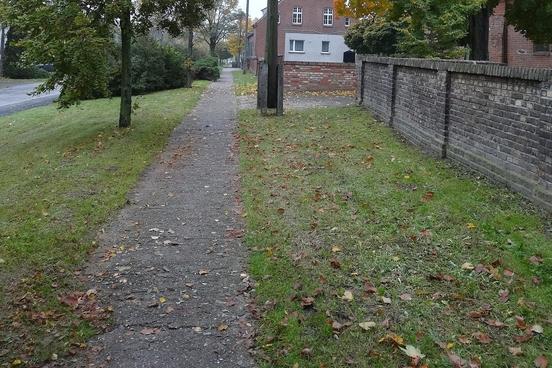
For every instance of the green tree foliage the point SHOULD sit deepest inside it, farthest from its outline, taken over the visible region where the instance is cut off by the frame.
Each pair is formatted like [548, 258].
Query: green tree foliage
[12, 57]
[434, 28]
[374, 36]
[69, 35]
[533, 18]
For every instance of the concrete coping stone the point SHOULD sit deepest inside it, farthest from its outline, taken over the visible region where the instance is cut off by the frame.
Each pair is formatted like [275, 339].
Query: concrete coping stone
[464, 66]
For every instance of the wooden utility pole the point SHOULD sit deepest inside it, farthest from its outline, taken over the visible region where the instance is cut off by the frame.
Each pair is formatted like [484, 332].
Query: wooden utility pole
[245, 39]
[271, 53]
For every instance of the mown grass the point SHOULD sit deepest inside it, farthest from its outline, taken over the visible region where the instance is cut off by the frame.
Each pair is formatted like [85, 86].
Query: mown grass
[336, 203]
[244, 84]
[63, 174]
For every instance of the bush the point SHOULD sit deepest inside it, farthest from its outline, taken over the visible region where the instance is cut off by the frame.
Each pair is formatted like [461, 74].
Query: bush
[12, 62]
[155, 67]
[379, 36]
[207, 69]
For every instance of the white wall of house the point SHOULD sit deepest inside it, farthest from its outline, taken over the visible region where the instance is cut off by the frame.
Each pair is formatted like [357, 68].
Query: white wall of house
[313, 48]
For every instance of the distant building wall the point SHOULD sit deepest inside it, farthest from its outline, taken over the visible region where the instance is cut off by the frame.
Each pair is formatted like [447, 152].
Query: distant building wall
[313, 48]
[492, 118]
[510, 47]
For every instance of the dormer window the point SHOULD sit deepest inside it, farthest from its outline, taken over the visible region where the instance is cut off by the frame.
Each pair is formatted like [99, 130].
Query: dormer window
[328, 17]
[297, 17]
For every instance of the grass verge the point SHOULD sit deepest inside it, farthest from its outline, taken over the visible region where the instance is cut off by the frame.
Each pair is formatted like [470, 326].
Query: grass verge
[63, 174]
[244, 84]
[361, 246]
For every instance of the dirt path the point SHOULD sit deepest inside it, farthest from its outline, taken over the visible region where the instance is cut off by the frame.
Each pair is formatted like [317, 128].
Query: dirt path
[172, 263]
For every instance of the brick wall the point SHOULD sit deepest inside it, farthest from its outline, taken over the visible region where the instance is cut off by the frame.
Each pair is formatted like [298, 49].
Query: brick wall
[491, 118]
[316, 77]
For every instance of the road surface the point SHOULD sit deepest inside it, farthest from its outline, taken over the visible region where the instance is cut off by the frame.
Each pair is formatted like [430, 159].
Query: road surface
[18, 98]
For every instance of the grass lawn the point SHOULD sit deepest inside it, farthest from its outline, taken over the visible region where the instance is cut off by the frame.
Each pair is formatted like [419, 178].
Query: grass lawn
[63, 174]
[244, 84]
[362, 245]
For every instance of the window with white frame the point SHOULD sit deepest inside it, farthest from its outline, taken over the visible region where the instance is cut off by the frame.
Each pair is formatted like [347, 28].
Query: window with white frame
[328, 17]
[325, 47]
[297, 17]
[347, 21]
[296, 46]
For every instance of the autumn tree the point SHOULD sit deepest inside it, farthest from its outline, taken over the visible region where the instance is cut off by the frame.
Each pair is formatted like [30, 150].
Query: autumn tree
[362, 8]
[219, 23]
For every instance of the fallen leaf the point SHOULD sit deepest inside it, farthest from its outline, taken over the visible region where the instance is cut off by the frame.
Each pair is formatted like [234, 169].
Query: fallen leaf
[335, 264]
[197, 329]
[395, 339]
[386, 300]
[336, 248]
[494, 323]
[468, 266]
[428, 197]
[537, 329]
[150, 331]
[307, 302]
[541, 362]
[306, 352]
[203, 272]
[515, 351]
[464, 340]
[412, 352]
[222, 327]
[524, 338]
[471, 226]
[520, 323]
[281, 211]
[367, 325]
[162, 300]
[508, 273]
[405, 297]
[483, 338]
[504, 295]
[456, 361]
[347, 296]
[536, 260]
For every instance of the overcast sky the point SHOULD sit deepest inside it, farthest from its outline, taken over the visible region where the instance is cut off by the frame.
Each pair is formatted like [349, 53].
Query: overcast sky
[255, 7]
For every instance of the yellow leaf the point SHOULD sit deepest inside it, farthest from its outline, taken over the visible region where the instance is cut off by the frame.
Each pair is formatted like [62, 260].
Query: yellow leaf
[471, 226]
[367, 325]
[162, 300]
[468, 266]
[336, 248]
[347, 296]
[412, 352]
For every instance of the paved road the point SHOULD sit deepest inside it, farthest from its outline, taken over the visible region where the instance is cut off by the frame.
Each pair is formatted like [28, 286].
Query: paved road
[16, 98]
[172, 262]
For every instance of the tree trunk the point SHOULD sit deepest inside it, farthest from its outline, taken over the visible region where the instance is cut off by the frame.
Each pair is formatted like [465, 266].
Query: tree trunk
[213, 47]
[271, 53]
[189, 72]
[126, 83]
[479, 35]
[2, 47]
[246, 40]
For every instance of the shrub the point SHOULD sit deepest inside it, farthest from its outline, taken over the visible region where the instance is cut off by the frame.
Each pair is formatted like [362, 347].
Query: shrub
[155, 67]
[378, 36]
[207, 69]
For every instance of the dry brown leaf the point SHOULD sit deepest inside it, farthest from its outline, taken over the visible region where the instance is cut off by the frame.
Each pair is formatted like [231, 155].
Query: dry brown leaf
[541, 362]
[483, 338]
[515, 351]
[150, 331]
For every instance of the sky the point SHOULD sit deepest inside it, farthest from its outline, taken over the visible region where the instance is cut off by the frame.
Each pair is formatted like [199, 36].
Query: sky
[255, 7]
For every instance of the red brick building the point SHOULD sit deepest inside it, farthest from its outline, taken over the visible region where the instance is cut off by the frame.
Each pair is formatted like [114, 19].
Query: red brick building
[510, 47]
[308, 31]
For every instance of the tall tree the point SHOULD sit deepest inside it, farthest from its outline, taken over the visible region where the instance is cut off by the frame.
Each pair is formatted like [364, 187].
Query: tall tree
[3, 32]
[177, 17]
[362, 8]
[219, 23]
[533, 18]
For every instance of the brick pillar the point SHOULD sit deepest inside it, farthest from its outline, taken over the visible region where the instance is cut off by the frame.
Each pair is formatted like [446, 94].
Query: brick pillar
[392, 92]
[442, 111]
[360, 69]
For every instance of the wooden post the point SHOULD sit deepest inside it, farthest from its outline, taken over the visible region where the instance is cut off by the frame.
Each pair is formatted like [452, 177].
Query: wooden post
[263, 88]
[246, 43]
[271, 53]
[280, 107]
